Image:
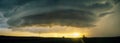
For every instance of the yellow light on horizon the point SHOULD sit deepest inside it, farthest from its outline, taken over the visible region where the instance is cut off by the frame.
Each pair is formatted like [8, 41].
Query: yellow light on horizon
[69, 32]
[65, 35]
[76, 34]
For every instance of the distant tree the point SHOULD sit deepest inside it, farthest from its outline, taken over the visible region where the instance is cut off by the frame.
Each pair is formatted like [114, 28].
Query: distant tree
[63, 37]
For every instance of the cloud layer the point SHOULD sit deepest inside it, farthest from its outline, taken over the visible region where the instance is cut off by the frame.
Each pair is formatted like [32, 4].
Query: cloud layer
[61, 12]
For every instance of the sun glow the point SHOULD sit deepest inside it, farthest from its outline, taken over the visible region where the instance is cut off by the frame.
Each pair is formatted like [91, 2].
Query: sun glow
[65, 35]
[76, 35]
[54, 31]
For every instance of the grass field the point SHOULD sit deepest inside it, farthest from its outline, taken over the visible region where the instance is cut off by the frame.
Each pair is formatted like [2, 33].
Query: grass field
[10, 39]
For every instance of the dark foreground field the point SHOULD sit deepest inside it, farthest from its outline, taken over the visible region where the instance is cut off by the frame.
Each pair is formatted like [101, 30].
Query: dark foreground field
[9, 39]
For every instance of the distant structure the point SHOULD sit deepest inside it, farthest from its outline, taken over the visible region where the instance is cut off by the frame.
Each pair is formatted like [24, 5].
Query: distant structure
[83, 36]
[63, 37]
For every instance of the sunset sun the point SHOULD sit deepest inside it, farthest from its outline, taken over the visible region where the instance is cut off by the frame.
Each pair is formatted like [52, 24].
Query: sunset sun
[76, 34]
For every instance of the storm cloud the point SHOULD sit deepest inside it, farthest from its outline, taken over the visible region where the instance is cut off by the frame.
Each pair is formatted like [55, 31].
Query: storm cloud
[73, 13]
[77, 13]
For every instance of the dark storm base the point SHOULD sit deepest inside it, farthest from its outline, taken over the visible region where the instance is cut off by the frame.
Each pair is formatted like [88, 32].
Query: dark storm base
[9, 39]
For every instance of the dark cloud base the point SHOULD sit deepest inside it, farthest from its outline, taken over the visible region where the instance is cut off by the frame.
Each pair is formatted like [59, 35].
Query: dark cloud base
[61, 17]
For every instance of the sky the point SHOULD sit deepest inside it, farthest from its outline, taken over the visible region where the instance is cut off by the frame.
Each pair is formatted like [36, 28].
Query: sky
[94, 18]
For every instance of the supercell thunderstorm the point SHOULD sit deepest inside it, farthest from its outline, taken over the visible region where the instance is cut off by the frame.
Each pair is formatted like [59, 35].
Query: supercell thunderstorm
[73, 13]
